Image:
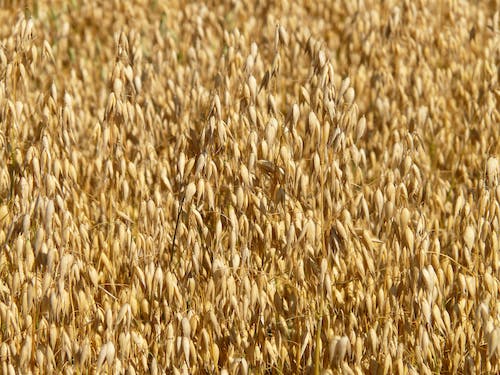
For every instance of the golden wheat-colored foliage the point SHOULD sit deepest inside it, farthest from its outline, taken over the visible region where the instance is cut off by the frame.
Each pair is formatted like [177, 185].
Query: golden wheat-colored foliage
[245, 187]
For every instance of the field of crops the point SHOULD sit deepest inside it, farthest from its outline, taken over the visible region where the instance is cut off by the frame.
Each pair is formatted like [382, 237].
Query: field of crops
[250, 187]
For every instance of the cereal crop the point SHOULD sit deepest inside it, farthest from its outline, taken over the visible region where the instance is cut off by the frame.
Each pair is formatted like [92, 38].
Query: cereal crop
[250, 187]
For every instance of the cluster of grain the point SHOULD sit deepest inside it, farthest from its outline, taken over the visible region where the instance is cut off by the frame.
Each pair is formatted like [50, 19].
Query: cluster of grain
[250, 188]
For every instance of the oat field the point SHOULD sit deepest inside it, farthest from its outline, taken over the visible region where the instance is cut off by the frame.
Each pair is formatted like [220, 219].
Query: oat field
[250, 187]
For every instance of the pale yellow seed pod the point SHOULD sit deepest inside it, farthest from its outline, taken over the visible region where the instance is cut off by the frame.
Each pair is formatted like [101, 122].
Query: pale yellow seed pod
[129, 73]
[316, 163]
[47, 51]
[283, 35]
[102, 356]
[244, 366]
[342, 348]
[328, 287]
[271, 103]
[132, 170]
[25, 355]
[186, 327]
[493, 341]
[470, 281]
[360, 128]
[215, 353]
[314, 124]
[245, 176]
[94, 276]
[190, 191]
[249, 63]
[218, 106]
[117, 87]
[324, 268]
[158, 281]
[271, 131]
[469, 237]
[24, 75]
[40, 358]
[409, 238]
[372, 336]
[422, 115]
[235, 261]
[300, 271]
[341, 230]
[138, 83]
[404, 217]
[123, 314]
[492, 171]
[426, 310]
[321, 58]
[379, 201]
[429, 282]
[53, 336]
[349, 96]
[252, 112]
[344, 86]
[68, 100]
[151, 209]
[240, 197]
[252, 85]
[407, 162]
[200, 163]
[181, 164]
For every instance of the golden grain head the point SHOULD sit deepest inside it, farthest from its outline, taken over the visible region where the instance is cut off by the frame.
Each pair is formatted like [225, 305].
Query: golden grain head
[249, 188]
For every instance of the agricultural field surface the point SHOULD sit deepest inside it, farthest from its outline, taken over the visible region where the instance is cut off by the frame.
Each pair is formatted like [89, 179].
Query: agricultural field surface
[250, 187]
